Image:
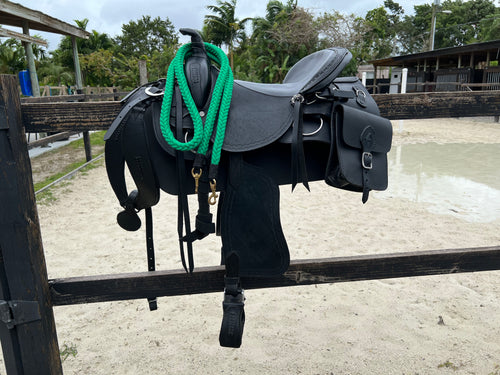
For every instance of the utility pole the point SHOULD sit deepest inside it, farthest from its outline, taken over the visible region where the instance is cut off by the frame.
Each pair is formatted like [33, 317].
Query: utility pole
[436, 8]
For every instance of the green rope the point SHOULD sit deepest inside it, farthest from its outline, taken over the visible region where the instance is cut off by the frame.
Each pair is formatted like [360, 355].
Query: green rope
[219, 104]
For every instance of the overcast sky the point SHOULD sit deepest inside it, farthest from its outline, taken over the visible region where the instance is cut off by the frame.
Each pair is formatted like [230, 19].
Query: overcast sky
[107, 16]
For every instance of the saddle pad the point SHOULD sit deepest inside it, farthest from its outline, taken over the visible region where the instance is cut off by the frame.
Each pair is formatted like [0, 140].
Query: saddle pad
[250, 221]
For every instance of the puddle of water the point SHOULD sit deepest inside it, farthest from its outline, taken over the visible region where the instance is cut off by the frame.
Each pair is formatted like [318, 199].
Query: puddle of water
[462, 180]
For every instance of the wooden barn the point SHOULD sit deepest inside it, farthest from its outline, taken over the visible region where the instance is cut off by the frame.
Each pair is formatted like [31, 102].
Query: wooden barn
[466, 68]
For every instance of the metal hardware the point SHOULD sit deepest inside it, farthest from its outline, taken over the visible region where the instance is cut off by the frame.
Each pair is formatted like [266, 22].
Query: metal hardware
[316, 131]
[13, 313]
[297, 98]
[358, 92]
[148, 91]
[196, 177]
[360, 97]
[321, 97]
[212, 199]
[366, 160]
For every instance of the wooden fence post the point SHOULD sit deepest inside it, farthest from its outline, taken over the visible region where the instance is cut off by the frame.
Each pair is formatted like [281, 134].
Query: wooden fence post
[27, 327]
[143, 72]
[87, 146]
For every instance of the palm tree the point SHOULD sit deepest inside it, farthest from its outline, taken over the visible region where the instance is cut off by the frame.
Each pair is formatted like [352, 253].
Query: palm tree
[222, 28]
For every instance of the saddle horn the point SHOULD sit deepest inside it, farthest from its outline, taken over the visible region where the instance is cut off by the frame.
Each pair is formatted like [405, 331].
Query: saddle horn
[197, 69]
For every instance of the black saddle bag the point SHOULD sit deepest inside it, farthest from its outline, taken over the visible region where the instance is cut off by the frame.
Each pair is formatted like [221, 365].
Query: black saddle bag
[358, 154]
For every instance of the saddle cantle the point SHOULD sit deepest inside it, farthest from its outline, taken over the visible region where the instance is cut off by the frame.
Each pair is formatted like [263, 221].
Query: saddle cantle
[314, 126]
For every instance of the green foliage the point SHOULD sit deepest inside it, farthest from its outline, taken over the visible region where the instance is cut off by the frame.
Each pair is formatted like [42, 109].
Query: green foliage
[285, 35]
[143, 37]
[223, 28]
[11, 57]
[63, 55]
[67, 350]
[463, 25]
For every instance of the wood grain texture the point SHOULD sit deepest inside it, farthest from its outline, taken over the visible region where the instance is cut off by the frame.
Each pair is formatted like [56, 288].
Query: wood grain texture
[85, 116]
[301, 272]
[31, 347]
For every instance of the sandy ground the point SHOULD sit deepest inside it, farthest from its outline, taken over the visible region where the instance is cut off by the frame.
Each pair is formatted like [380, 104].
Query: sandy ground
[369, 327]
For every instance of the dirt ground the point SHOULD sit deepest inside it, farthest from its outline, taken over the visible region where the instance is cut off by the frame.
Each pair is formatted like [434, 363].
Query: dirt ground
[54, 161]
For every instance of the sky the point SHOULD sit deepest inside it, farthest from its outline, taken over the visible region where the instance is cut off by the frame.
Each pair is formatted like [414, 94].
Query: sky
[108, 16]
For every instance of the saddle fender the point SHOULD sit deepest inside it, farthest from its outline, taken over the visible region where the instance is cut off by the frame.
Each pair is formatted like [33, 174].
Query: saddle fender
[128, 145]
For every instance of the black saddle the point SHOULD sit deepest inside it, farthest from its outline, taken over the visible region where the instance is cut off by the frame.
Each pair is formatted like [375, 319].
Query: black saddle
[314, 126]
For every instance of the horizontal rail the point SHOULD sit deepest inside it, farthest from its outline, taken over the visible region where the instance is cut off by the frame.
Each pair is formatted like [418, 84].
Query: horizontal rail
[50, 139]
[438, 104]
[73, 98]
[87, 289]
[86, 116]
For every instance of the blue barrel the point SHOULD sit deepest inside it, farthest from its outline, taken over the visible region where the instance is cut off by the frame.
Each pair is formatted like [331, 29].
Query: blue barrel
[25, 81]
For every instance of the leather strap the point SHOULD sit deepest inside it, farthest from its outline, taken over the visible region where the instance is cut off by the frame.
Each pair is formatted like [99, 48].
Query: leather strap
[204, 220]
[299, 170]
[182, 201]
[139, 95]
[367, 139]
[150, 252]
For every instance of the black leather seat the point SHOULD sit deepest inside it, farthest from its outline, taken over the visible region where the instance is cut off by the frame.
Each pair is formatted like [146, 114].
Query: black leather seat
[311, 73]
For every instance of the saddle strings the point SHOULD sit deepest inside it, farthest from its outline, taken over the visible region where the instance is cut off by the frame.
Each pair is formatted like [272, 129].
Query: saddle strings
[219, 108]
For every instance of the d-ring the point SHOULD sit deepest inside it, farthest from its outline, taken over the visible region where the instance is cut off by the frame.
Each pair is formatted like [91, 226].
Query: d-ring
[148, 91]
[316, 131]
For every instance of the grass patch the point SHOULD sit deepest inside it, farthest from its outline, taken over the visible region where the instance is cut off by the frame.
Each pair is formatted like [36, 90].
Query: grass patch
[449, 364]
[96, 139]
[58, 175]
[496, 371]
[47, 196]
[72, 155]
[67, 350]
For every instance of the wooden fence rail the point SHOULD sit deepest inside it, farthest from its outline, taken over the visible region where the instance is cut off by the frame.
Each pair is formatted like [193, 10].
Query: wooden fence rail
[139, 285]
[84, 116]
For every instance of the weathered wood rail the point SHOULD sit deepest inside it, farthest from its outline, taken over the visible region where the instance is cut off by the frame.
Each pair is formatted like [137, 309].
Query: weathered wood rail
[27, 297]
[84, 116]
[138, 285]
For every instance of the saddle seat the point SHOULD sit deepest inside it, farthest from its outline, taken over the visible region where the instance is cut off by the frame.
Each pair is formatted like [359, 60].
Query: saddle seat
[261, 113]
[307, 76]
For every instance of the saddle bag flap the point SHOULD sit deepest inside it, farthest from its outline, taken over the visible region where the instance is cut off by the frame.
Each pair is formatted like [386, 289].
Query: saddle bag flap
[359, 155]
[354, 121]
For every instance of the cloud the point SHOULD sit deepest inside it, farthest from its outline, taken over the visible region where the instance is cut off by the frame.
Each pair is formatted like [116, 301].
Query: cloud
[108, 16]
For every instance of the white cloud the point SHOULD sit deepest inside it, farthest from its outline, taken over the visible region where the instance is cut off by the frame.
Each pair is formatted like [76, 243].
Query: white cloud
[107, 16]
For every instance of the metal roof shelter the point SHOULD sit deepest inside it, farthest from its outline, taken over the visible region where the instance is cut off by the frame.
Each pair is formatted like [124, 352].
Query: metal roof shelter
[13, 14]
[471, 60]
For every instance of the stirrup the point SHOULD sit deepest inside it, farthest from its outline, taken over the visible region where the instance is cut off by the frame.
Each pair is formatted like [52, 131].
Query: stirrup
[233, 320]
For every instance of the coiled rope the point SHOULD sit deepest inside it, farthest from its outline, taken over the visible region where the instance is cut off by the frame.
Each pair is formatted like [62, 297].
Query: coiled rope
[219, 104]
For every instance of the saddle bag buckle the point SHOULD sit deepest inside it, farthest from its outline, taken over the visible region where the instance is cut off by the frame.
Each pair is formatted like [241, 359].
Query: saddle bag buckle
[367, 160]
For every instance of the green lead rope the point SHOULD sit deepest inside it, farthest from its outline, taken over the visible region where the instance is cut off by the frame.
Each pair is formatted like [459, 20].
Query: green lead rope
[219, 105]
